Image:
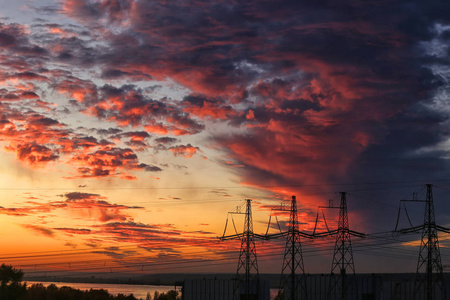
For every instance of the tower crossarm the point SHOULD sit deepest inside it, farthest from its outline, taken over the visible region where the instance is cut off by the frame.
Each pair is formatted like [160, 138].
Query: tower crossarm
[357, 234]
[443, 229]
[231, 237]
[334, 232]
[418, 229]
[429, 277]
[325, 233]
[285, 233]
[241, 235]
[415, 229]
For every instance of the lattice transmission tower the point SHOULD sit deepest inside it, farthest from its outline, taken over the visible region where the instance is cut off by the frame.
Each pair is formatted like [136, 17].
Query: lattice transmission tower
[342, 286]
[293, 280]
[430, 279]
[247, 270]
[247, 283]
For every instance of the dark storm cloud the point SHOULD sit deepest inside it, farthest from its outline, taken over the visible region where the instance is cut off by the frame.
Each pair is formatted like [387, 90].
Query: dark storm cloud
[74, 196]
[30, 76]
[325, 90]
[166, 140]
[150, 168]
[118, 74]
[7, 40]
[21, 55]
[109, 131]
[328, 90]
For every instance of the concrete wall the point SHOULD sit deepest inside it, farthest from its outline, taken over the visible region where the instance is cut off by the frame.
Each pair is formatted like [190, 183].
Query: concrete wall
[220, 289]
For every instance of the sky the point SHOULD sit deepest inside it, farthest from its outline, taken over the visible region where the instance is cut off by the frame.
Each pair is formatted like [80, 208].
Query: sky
[130, 129]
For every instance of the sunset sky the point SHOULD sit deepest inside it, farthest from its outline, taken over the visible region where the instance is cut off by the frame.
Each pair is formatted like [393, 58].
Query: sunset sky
[130, 128]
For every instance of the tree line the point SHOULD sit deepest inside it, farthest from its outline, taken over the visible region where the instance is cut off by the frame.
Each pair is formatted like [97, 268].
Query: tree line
[12, 288]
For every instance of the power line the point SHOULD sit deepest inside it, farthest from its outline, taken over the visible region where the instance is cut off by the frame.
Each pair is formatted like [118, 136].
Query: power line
[339, 184]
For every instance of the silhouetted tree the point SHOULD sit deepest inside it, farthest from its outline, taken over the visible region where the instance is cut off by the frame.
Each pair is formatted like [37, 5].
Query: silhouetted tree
[170, 295]
[52, 292]
[11, 287]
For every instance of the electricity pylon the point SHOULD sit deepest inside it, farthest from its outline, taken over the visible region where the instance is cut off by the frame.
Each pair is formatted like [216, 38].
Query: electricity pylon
[247, 270]
[341, 285]
[247, 274]
[293, 281]
[429, 266]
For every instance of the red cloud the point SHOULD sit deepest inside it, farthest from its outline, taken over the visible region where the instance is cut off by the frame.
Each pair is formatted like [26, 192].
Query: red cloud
[33, 153]
[33, 137]
[34, 208]
[80, 90]
[29, 95]
[186, 151]
[94, 206]
[109, 161]
[210, 110]
[128, 105]
[157, 128]
[37, 140]
[89, 206]
[148, 236]
[136, 139]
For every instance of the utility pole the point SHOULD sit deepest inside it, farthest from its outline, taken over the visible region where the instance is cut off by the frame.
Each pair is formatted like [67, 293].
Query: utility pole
[293, 281]
[429, 266]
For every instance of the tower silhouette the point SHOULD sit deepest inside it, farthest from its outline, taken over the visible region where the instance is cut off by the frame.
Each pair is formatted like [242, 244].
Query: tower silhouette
[247, 275]
[429, 278]
[342, 286]
[293, 281]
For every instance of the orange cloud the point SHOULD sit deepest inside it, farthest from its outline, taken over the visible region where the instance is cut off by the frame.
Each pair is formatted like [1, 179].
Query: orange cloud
[89, 206]
[187, 151]
[32, 153]
[41, 230]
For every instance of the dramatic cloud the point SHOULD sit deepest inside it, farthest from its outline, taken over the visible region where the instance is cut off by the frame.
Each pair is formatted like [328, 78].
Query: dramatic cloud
[338, 79]
[128, 105]
[208, 108]
[32, 208]
[300, 86]
[163, 236]
[186, 151]
[33, 153]
[85, 205]
[287, 97]
[94, 206]
[136, 139]
[154, 237]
